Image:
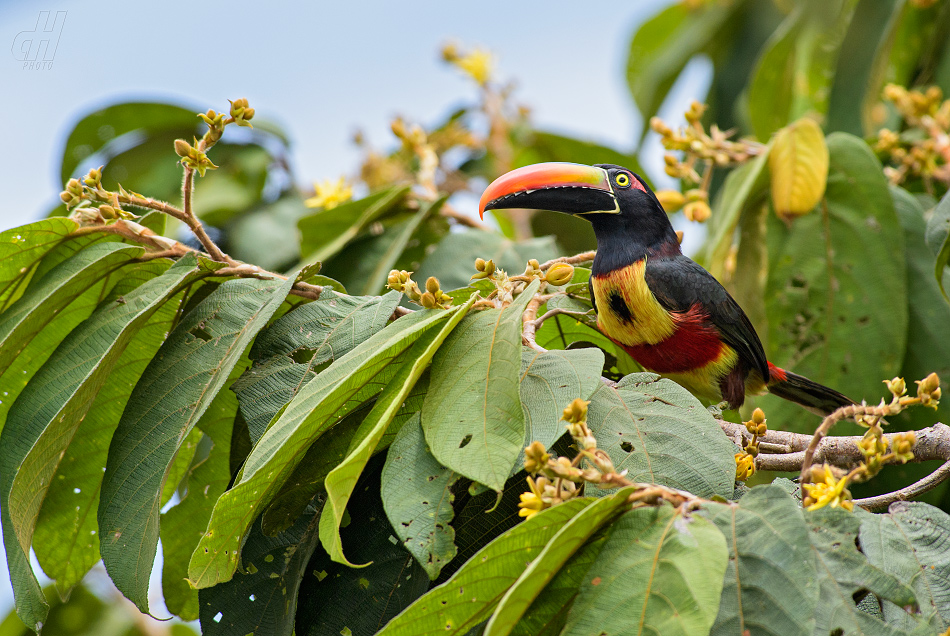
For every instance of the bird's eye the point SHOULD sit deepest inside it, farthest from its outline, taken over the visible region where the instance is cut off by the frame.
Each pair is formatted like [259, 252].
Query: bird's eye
[622, 180]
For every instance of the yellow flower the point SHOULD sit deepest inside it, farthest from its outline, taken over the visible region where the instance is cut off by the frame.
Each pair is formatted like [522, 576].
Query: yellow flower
[530, 505]
[477, 65]
[329, 194]
[829, 491]
[745, 466]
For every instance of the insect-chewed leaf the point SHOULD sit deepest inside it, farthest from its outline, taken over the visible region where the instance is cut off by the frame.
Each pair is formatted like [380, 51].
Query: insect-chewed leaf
[47, 413]
[661, 434]
[169, 399]
[288, 354]
[771, 584]
[22, 248]
[343, 386]
[659, 572]
[472, 414]
[474, 590]
[912, 542]
[417, 496]
[799, 166]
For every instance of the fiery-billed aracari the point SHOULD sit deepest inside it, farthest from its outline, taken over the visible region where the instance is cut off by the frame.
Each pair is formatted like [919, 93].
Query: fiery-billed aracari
[664, 309]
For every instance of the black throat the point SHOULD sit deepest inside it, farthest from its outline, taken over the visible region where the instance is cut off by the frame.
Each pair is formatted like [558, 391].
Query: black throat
[622, 241]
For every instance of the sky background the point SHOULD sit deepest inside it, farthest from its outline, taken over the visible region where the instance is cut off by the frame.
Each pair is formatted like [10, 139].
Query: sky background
[320, 70]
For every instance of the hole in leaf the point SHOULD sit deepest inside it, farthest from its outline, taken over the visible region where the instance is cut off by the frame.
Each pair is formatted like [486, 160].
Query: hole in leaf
[198, 331]
[303, 355]
[627, 446]
[465, 441]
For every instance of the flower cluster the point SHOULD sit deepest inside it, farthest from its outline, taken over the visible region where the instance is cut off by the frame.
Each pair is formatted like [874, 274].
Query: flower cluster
[79, 193]
[745, 459]
[328, 194]
[922, 149]
[433, 297]
[477, 63]
[557, 479]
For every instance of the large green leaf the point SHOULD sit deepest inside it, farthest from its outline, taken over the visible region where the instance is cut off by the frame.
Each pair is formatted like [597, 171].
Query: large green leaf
[344, 385]
[472, 414]
[471, 594]
[843, 571]
[289, 353]
[66, 539]
[267, 236]
[912, 542]
[564, 332]
[659, 572]
[794, 73]
[342, 479]
[417, 496]
[47, 296]
[169, 399]
[938, 238]
[664, 44]
[324, 233]
[182, 526]
[47, 413]
[22, 248]
[661, 434]
[263, 598]
[548, 563]
[823, 292]
[550, 381]
[771, 584]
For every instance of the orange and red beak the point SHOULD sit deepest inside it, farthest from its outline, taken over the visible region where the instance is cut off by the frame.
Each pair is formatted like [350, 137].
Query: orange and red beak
[571, 188]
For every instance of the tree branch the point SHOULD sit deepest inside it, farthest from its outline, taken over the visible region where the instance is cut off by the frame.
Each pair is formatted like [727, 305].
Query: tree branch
[583, 257]
[926, 484]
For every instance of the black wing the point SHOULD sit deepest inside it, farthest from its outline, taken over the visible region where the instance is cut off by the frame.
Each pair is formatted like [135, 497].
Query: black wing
[679, 283]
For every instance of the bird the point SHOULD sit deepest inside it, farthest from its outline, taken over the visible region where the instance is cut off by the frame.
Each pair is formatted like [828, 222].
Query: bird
[664, 309]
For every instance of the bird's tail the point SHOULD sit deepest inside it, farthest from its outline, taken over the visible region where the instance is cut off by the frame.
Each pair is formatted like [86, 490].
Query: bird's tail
[815, 397]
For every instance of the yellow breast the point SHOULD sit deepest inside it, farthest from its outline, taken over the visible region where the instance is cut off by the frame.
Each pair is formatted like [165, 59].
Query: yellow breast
[627, 310]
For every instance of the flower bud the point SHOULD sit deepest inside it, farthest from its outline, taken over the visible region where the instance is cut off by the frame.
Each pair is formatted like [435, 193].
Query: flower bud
[66, 197]
[671, 200]
[897, 386]
[758, 416]
[183, 148]
[697, 211]
[559, 274]
[94, 177]
[432, 285]
[480, 264]
[74, 187]
[929, 384]
[107, 212]
[576, 411]
[428, 301]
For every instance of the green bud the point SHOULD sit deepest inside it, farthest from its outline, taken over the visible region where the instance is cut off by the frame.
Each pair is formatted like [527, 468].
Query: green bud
[183, 148]
[107, 212]
[428, 301]
[480, 264]
[559, 274]
[432, 285]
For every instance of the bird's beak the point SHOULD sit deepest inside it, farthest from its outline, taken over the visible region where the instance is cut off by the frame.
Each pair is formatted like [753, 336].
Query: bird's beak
[571, 188]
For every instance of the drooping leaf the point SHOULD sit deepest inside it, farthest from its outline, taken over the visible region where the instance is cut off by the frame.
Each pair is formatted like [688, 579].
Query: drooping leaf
[342, 479]
[798, 164]
[842, 571]
[164, 407]
[661, 434]
[771, 583]
[549, 561]
[417, 496]
[348, 382]
[471, 594]
[48, 411]
[472, 414]
[288, 354]
[912, 542]
[823, 291]
[659, 572]
[263, 599]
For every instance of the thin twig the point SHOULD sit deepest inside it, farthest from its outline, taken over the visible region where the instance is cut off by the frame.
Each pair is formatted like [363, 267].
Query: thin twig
[195, 225]
[529, 322]
[583, 257]
[463, 219]
[926, 484]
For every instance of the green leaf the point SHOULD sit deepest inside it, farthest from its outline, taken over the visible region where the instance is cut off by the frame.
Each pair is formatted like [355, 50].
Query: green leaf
[471, 594]
[472, 414]
[823, 291]
[659, 572]
[342, 479]
[318, 332]
[169, 399]
[46, 297]
[321, 403]
[843, 571]
[47, 413]
[324, 233]
[417, 496]
[267, 236]
[564, 332]
[263, 599]
[771, 583]
[336, 599]
[22, 248]
[555, 554]
[938, 238]
[66, 538]
[182, 526]
[794, 72]
[912, 542]
[664, 44]
[453, 261]
[550, 381]
[661, 434]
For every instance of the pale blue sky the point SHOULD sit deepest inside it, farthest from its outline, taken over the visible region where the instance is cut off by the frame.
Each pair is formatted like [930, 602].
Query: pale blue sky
[321, 70]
